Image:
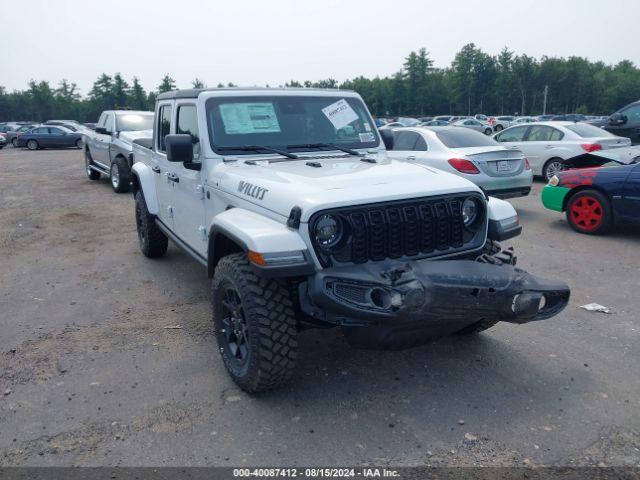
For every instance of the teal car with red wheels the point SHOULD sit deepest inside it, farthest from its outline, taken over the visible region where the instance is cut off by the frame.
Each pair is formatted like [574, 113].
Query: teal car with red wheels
[597, 190]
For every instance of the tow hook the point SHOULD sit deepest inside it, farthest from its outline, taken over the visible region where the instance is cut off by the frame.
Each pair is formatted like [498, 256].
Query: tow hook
[506, 256]
[395, 274]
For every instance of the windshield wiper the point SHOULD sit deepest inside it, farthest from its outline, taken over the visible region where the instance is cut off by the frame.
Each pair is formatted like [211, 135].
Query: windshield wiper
[326, 145]
[257, 148]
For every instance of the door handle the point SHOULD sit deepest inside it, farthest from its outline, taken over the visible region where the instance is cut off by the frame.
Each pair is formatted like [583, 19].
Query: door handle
[411, 157]
[156, 169]
[548, 146]
[172, 177]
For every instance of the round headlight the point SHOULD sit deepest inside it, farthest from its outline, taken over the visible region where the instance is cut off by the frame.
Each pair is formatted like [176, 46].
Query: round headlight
[328, 231]
[469, 211]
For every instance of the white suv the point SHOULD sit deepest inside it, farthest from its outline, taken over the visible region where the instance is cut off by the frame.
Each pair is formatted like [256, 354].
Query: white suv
[289, 200]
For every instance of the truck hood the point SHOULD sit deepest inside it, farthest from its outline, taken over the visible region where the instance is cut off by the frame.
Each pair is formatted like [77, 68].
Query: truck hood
[319, 183]
[131, 135]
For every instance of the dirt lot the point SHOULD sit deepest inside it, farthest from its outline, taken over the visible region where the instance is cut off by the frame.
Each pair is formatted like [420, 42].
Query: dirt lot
[91, 375]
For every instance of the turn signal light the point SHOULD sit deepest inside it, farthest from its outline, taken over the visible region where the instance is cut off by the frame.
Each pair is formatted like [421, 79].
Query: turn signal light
[256, 258]
[591, 147]
[463, 165]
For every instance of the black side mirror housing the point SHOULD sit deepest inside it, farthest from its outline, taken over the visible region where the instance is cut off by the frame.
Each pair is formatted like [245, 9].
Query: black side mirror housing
[101, 131]
[387, 137]
[617, 119]
[179, 148]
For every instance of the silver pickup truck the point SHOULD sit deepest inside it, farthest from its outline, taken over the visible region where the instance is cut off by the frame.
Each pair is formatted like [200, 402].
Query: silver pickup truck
[108, 150]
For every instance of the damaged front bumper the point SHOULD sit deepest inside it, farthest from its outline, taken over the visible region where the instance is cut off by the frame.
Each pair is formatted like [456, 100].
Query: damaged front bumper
[433, 297]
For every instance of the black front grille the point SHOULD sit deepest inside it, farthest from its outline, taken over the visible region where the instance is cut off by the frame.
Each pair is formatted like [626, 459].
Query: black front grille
[419, 227]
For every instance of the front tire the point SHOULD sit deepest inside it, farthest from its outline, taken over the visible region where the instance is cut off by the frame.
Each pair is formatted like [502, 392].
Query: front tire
[488, 131]
[14, 142]
[499, 128]
[255, 325]
[589, 211]
[119, 176]
[32, 145]
[79, 144]
[153, 243]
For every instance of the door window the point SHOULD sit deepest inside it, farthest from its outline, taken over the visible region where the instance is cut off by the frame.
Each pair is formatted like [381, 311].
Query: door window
[632, 113]
[108, 123]
[539, 133]
[41, 131]
[515, 134]
[164, 126]
[405, 141]
[187, 124]
[421, 145]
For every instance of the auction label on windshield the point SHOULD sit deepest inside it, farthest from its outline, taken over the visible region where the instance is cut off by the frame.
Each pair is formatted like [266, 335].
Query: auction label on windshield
[340, 114]
[245, 118]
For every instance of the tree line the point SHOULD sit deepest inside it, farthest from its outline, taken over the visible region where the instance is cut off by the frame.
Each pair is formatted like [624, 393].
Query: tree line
[475, 82]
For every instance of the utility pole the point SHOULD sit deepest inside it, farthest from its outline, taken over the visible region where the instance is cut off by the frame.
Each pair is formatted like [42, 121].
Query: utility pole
[544, 104]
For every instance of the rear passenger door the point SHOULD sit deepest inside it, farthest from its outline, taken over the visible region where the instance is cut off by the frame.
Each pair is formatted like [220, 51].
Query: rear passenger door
[403, 145]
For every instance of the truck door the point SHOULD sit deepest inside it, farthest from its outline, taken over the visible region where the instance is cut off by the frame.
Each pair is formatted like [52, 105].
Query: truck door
[100, 143]
[161, 167]
[188, 192]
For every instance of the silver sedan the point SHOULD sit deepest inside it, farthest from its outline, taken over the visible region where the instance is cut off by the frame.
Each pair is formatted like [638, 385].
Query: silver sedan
[474, 124]
[501, 172]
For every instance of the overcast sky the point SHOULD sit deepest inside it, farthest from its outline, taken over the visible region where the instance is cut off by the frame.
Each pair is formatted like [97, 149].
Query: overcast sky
[258, 42]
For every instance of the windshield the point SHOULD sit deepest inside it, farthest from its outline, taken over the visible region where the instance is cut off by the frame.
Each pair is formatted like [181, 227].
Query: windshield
[464, 137]
[588, 131]
[285, 121]
[134, 121]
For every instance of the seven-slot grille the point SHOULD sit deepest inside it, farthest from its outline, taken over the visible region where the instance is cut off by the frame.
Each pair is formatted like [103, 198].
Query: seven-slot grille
[393, 230]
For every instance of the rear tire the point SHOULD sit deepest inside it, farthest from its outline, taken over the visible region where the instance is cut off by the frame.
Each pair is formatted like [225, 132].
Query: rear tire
[255, 325]
[499, 128]
[589, 211]
[91, 173]
[153, 243]
[553, 166]
[79, 143]
[32, 145]
[14, 142]
[488, 131]
[119, 176]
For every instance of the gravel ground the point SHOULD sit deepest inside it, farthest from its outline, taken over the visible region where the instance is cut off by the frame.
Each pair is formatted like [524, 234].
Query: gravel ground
[91, 375]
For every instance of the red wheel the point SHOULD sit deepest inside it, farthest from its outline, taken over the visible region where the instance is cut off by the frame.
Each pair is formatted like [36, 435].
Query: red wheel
[588, 211]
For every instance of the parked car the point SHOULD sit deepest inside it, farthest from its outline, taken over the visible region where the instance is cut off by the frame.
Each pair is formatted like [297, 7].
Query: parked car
[502, 122]
[521, 120]
[544, 118]
[7, 128]
[501, 172]
[569, 117]
[108, 150]
[444, 118]
[408, 121]
[52, 136]
[474, 124]
[599, 190]
[625, 122]
[3, 141]
[548, 144]
[435, 123]
[393, 125]
[316, 226]
[12, 137]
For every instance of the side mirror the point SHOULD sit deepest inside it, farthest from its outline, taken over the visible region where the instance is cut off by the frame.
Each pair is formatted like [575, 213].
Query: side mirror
[617, 119]
[179, 148]
[387, 137]
[101, 131]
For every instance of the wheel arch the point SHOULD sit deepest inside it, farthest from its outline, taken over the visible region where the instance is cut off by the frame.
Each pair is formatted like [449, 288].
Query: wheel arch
[142, 179]
[582, 188]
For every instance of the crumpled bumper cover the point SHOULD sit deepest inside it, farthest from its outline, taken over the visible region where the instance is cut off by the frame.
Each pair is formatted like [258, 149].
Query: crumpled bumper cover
[446, 295]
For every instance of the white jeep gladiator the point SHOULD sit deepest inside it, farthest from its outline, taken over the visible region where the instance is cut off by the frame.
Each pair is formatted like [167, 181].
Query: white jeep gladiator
[289, 200]
[107, 151]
